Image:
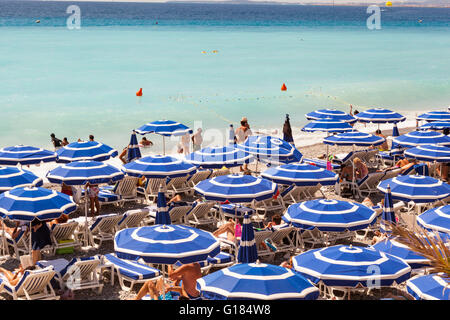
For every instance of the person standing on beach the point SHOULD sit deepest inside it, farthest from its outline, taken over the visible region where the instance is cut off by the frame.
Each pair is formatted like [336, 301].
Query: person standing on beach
[65, 142]
[57, 143]
[197, 139]
[242, 133]
[184, 143]
[91, 137]
[231, 135]
[287, 131]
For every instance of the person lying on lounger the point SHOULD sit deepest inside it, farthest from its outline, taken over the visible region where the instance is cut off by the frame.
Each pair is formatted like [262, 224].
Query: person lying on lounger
[13, 277]
[232, 229]
[14, 232]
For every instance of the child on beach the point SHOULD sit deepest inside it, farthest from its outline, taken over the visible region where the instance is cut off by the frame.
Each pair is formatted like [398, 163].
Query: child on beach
[93, 191]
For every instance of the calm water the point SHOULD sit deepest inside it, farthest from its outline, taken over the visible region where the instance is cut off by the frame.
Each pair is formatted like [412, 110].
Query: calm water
[78, 82]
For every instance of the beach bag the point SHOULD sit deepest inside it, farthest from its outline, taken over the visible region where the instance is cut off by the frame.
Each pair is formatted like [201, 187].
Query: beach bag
[67, 250]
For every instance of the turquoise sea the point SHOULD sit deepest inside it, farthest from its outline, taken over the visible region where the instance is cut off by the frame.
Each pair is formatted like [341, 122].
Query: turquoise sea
[83, 81]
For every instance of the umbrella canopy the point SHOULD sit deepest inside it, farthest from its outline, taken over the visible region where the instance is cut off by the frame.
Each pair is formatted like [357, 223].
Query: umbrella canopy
[436, 219]
[435, 116]
[247, 248]
[166, 244]
[218, 157]
[429, 287]
[133, 148]
[418, 138]
[165, 128]
[25, 155]
[162, 211]
[429, 153]
[379, 115]
[236, 188]
[327, 125]
[388, 212]
[81, 172]
[85, 150]
[401, 251]
[13, 177]
[329, 215]
[27, 204]
[435, 125]
[351, 266]
[300, 174]
[256, 281]
[159, 167]
[417, 188]
[395, 132]
[270, 149]
[354, 138]
[330, 113]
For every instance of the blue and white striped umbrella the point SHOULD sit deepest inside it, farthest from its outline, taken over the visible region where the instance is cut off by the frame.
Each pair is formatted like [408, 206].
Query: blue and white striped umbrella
[85, 151]
[330, 113]
[435, 116]
[13, 177]
[165, 128]
[159, 167]
[435, 125]
[27, 204]
[300, 174]
[388, 213]
[351, 266]
[379, 115]
[133, 151]
[395, 132]
[417, 188]
[437, 219]
[429, 153]
[247, 247]
[218, 157]
[270, 149]
[25, 155]
[166, 244]
[418, 138]
[236, 188]
[429, 287]
[354, 138]
[329, 215]
[401, 251]
[256, 281]
[327, 125]
[81, 172]
[162, 211]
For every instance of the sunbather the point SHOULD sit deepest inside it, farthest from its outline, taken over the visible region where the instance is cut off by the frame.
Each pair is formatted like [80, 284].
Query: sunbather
[14, 232]
[13, 277]
[287, 263]
[384, 146]
[346, 173]
[361, 169]
[276, 220]
[232, 229]
[62, 219]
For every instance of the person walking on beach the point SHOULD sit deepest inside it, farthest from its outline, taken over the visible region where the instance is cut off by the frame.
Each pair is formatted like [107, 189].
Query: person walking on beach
[197, 139]
[287, 131]
[231, 135]
[57, 143]
[242, 133]
[93, 191]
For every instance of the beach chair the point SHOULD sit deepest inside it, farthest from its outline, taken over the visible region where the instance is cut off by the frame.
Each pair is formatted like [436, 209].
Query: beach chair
[151, 188]
[107, 196]
[200, 214]
[222, 260]
[20, 244]
[103, 229]
[200, 175]
[219, 172]
[311, 191]
[293, 194]
[63, 235]
[263, 250]
[127, 189]
[76, 274]
[269, 205]
[178, 213]
[313, 237]
[128, 271]
[282, 238]
[369, 183]
[34, 285]
[321, 163]
[178, 185]
[392, 173]
[132, 218]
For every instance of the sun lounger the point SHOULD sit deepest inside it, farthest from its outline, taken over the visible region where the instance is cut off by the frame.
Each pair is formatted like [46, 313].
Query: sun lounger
[63, 235]
[178, 213]
[321, 163]
[219, 172]
[102, 229]
[269, 205]
[200, 214]
[127, 189]
[34, 285]
[200, 175]
[263, 249]
[151, 189]
[129, 271]
[369, 183]
[282, 238]
[76, 274]
[132, 218]
[20, 244]
[222, 260]
[178, 185]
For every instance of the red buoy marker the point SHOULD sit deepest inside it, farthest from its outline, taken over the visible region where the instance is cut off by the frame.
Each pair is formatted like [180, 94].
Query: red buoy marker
[139, 93]
[283, 87]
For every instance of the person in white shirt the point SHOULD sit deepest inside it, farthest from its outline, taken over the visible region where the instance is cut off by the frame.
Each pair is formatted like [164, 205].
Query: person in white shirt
[243, 131]
[197, 139]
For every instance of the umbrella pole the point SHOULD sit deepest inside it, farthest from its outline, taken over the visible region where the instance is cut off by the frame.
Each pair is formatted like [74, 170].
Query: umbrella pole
[87, 241]
[5, 250]
[164, 145]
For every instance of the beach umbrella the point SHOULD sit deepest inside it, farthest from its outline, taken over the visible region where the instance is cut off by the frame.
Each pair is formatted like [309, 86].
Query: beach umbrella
[418, 138]
[392, 247]
[435, 125]
[270, 149]
[354, 138]
[166, 128]
[379, 115]
[13, 177]
[245, 281]
[162, 211]
[247, 248]
[395, 148]
[429, 153]
[218, 157]
[133, 148]
[300, 174]
[158, 166]
[329, 215]
[331, 113]
[25, 155]
[388, 213]
[417, 188]
[436, 219]
[236, 209]
[429, 287]
[236, 188]
[85, 151]
[351, 266]
[434, 116]
[29, 203]
[395, 132]
[327, 125]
